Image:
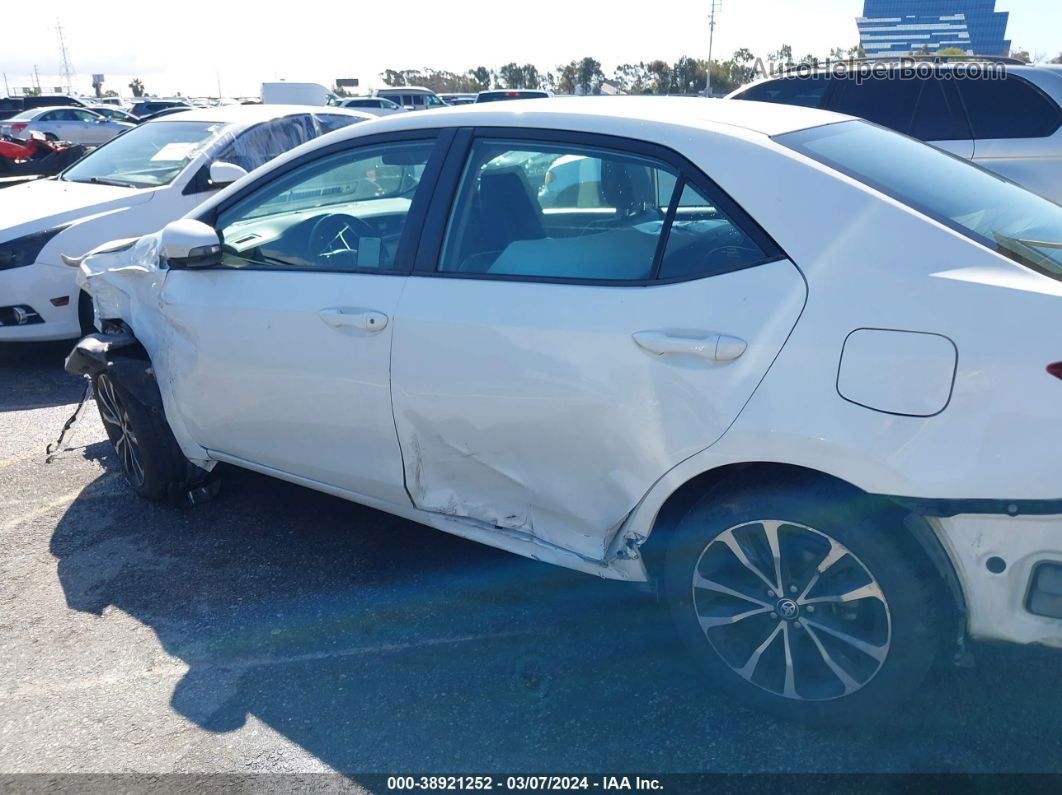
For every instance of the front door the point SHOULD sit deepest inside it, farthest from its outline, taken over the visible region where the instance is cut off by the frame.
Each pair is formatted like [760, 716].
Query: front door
[282, 353]
[595, 316]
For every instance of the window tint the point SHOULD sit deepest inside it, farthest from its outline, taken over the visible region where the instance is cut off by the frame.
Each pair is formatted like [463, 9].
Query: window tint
[572, 212]
[1010, 108]
[887, 101]
[703, 241]
[939, 116]
[344, 212]
[974, 202]
[330, 122]
[808, 91]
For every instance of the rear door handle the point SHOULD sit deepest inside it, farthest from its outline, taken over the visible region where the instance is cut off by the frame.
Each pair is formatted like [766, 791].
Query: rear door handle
[707, 345]
[352, 317]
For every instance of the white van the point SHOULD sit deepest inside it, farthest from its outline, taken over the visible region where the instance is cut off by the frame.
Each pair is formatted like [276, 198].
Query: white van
[284, 93]
[411, 97]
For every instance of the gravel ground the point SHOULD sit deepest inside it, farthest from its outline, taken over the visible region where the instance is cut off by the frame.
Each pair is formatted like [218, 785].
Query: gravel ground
[278, 630]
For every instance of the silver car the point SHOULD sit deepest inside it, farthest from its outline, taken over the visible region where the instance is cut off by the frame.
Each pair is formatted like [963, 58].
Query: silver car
[77, 125]
[1001, 114]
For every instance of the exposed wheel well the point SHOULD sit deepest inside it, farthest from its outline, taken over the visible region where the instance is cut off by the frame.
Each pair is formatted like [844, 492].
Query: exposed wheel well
[918, 537]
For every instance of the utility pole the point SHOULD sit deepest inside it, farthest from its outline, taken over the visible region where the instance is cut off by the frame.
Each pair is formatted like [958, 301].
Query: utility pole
[715, 6]
[7, 88]
[36, 78]
[217, 73]
[65, 67]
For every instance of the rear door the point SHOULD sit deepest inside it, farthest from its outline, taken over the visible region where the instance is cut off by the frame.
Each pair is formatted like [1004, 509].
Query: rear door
[550, 363]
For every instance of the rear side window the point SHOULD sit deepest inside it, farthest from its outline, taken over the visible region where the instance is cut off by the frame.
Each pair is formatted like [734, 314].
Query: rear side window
[260, 144]
[808, 91]
[921, 107]
[1010, 108]
[882, 100]
[562, 212]
[984, 207]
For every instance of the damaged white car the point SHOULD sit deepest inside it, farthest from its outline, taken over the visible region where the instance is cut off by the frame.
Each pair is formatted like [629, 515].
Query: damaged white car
[802, 370]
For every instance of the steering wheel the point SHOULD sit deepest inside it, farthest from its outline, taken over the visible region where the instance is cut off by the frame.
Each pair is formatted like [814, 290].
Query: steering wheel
[337, 234]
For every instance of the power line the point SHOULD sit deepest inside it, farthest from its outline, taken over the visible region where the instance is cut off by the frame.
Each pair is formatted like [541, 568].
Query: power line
[715, 6]
[66, 69]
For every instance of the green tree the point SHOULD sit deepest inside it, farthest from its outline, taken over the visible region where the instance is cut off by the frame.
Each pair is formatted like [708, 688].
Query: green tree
[689, 76]
[589, 76]
[110, 93]
[1056, 60]
[949, 51]
[631, 78]
[659, 77]
[136, 85]
[482, 79]
[567, 77]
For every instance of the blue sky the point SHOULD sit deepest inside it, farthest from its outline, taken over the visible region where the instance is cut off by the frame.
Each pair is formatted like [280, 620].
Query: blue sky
[183, 46]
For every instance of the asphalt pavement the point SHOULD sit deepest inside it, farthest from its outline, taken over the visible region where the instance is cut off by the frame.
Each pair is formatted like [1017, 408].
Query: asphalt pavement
[279, 630]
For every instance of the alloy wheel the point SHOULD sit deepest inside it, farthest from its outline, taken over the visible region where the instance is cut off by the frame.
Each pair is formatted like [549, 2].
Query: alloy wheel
[115, 414]
[791, 610]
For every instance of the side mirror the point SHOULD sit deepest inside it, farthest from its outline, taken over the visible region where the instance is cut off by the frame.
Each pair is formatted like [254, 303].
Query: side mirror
[187, 243]
[222, 173]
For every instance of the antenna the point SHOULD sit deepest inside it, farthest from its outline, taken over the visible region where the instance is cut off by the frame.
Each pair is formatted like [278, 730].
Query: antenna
[66, 69]
[714, 7]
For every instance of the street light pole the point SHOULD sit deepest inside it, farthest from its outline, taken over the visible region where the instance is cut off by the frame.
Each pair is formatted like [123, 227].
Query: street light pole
[715, 6]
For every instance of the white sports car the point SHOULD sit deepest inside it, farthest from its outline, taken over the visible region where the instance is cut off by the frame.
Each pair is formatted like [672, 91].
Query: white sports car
[803, 370]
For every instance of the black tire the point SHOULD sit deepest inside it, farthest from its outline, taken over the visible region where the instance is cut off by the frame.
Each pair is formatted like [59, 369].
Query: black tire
[50, 137]
[148, 454]
[898, 623]
[86, 316]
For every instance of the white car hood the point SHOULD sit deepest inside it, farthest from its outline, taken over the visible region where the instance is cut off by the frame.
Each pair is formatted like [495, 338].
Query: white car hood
[43, 204]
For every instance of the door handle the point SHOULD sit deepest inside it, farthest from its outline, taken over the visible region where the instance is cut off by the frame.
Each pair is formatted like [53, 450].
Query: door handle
[708, 345]
[346, 317]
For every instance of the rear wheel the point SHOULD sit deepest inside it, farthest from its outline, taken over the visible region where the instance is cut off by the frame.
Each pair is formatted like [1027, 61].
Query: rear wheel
[802, 603]
[147, 452]
[50, 137]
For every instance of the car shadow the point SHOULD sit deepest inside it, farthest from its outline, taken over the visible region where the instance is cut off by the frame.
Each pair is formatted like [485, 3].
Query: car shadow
[379, 645]
[32, 376]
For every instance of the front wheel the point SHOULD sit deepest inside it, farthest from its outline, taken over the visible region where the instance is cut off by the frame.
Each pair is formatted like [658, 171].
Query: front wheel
[147, 453]
[809, 605]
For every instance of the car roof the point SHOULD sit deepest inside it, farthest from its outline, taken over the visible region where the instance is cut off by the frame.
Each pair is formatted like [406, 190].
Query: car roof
[762, 117]
[249, 114]
[45, 108]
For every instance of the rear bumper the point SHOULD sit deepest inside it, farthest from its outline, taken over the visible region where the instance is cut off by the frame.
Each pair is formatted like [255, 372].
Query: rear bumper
[1000, 561]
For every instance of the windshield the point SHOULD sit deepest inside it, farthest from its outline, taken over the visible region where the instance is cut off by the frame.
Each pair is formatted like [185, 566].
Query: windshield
[147, 156]
[985, 207]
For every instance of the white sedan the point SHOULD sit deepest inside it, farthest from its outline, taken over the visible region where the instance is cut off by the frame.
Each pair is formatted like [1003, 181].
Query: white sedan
[803, 370]
[156, 172]
[77, 125]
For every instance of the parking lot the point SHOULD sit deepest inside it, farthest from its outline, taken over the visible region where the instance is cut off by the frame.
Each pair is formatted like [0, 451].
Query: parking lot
[276, 629]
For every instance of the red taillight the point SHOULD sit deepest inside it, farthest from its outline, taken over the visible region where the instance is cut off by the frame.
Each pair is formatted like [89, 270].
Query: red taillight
[18, 127]
[1055, 369]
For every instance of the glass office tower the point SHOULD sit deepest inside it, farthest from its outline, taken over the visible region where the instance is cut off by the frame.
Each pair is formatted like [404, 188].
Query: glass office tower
[890, 28]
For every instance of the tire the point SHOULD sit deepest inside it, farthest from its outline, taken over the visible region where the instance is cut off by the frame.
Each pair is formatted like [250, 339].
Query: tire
[86, 316]
[884, 635]
[50, 137]
[148, 454]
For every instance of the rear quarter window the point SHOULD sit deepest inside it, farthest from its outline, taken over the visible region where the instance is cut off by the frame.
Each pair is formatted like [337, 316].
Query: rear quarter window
[808, 91]
[1010, 108]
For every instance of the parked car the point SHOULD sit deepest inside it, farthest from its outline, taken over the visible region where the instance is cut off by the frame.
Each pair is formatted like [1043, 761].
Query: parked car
[158, 114]
[77, 125]
[411, 97]
[10, 106]
[458, 99]
[1008, 120]
[145, 107]
[829, 428]
[377, 106]
[115, 114]
[500, 95]
[152, 174]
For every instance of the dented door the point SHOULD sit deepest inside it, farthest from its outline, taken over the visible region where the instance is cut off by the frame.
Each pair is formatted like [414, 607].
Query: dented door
[534, 407]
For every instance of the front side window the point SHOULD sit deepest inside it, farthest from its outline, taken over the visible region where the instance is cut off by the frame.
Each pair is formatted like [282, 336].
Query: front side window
[981, 205]
[147, 156]
[563, 212]
[343, 212]
[330, 122]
